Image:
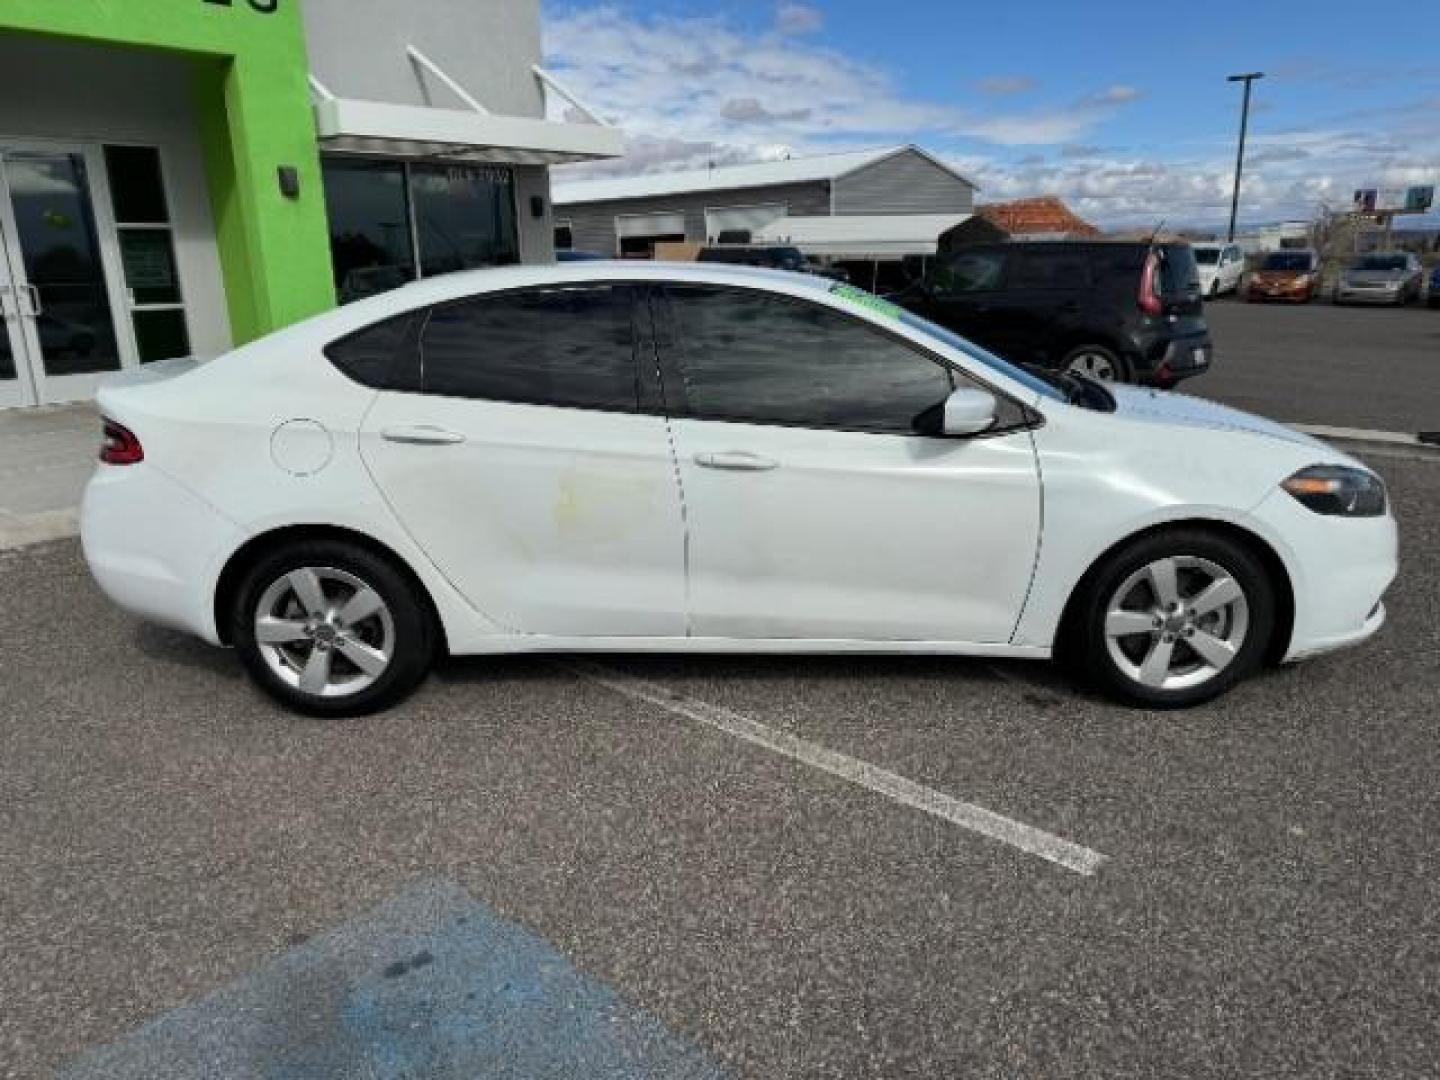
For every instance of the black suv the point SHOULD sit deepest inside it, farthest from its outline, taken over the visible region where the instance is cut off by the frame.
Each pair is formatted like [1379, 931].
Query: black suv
[1126, 311]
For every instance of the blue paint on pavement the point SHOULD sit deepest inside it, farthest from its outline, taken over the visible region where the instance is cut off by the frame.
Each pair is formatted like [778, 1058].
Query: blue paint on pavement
[431, 984]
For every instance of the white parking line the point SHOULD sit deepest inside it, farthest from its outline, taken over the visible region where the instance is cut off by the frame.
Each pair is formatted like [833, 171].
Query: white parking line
[977, 819]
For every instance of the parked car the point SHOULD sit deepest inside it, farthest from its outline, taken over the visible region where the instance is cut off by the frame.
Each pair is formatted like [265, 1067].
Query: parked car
[1285, 275]
[1119, 311]
[1394, 277]
[1432, 291]
[1222, 266]
[790, 465]
[771, 257]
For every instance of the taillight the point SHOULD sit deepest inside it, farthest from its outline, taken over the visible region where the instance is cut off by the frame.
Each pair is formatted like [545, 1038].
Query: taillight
[120, 446]
[1150, 301]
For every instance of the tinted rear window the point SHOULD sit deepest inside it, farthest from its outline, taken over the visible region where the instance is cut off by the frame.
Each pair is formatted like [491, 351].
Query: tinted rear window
[571, 346]
[1180, 272]
[1207, 256]
[377, 355]
[1049, 269]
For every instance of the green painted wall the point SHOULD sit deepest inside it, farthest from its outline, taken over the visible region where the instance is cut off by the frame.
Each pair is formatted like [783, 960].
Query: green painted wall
[252, 96]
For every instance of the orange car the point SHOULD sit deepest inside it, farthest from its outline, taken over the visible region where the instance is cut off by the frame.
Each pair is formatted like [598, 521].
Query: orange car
[1285, 275]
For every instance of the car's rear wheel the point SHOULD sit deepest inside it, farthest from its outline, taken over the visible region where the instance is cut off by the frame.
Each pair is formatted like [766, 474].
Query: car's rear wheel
[1096, 361]
[1174, 619]
[331, 628]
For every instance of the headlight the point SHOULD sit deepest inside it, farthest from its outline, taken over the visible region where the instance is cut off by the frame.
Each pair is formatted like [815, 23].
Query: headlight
[1338, 491]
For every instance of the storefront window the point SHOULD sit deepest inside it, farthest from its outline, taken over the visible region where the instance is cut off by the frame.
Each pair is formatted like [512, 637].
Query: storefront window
[371, 241]
[382, 213]
[464, 217]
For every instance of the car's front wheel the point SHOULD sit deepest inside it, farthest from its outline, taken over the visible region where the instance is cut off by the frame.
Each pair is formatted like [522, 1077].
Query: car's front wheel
[1174, 619]
[331, 628]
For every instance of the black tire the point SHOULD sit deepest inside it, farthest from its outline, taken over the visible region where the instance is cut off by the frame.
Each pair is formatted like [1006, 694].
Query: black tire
[1087, 648]
[1115, 360]
[410, 633]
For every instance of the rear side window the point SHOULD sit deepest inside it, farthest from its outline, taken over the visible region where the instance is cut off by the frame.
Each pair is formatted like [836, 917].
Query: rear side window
[1117, 264]
[572, 346]
[756, 358]
[380, 355]
[1049, 270]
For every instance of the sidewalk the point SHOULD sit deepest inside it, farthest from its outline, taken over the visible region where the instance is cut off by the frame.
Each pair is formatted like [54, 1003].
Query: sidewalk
[46, 456]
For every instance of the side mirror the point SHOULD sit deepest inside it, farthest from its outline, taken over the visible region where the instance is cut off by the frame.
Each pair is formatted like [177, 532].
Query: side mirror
[969, 411]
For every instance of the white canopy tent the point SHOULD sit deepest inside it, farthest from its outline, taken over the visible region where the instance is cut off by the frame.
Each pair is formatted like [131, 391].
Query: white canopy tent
[856, 237]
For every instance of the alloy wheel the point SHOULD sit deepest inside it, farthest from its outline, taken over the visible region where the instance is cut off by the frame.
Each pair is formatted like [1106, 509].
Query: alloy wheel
[1176, 623]
[1096, 364]
[324, 632]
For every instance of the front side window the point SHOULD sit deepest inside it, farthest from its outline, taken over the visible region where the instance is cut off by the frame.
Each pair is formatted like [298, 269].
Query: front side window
[571, 346]
[970, 271]
[757, 358]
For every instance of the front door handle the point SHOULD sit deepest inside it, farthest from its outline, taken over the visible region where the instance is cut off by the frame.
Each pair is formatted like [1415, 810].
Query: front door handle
[421, 435]
[736, 461]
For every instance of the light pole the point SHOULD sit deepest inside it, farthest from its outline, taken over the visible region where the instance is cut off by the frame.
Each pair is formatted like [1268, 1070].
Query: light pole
[1247, 79]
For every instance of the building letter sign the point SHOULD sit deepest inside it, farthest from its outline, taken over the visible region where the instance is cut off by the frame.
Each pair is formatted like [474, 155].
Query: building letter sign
[264, 7]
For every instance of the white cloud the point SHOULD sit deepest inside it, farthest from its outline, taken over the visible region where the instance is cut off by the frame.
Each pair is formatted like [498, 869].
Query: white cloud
[1001, 85]
[795, 18]
[1119, 94]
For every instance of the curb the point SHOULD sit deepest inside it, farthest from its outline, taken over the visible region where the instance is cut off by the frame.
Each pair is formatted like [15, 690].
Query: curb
[1421, 446]
[25, 531]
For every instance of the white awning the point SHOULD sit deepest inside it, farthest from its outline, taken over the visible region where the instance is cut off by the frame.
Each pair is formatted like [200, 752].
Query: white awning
[372, 127]
[861, 236]
[352, 126]
[660, 223]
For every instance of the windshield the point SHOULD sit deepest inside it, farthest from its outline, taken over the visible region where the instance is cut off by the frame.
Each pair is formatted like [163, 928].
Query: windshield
[871, 302]
[1207, 256]
[1380, 262]
[1293, 263]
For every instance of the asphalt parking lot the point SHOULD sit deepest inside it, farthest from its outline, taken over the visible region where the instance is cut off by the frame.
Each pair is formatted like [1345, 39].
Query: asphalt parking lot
[1359, 367]
[1266, 900]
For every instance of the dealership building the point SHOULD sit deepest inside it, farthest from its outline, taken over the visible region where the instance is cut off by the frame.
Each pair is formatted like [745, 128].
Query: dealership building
[180, 176]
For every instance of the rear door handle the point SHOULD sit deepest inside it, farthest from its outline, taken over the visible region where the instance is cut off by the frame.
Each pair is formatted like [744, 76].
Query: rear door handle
[736, 461]
[421, 435]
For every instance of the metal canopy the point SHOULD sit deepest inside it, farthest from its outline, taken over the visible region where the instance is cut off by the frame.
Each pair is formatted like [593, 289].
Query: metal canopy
[473, 134]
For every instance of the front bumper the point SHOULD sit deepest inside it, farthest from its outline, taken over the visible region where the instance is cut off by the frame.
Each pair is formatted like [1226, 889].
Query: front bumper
[1298, 294]
[1346, 295]
[154, 547]
[1339, 571]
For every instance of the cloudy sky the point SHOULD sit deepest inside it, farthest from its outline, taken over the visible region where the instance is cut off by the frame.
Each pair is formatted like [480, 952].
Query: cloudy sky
[1122, 107]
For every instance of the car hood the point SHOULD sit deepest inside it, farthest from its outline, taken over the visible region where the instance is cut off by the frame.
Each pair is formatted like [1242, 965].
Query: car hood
[1280, 277]
[1172, 409]
[1374, 277]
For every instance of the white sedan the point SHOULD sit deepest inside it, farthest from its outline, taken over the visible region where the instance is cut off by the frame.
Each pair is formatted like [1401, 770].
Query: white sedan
[699, 458]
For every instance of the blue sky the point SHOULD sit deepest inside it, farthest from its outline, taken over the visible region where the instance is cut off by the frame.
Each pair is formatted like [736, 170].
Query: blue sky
[1121, 107]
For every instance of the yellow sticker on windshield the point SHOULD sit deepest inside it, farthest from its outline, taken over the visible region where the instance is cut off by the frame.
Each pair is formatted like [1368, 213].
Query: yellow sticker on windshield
[867, 300]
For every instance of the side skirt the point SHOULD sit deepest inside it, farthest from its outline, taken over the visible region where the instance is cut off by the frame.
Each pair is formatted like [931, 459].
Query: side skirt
[536, 643]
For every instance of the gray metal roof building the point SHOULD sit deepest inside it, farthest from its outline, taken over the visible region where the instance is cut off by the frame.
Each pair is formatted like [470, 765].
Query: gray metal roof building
[629, 215]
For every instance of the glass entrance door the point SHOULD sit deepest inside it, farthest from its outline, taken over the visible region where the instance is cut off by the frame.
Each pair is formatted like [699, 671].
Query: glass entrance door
[57, 296]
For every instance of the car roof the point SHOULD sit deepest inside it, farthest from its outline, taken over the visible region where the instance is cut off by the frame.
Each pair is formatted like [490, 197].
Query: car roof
[445, 287]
